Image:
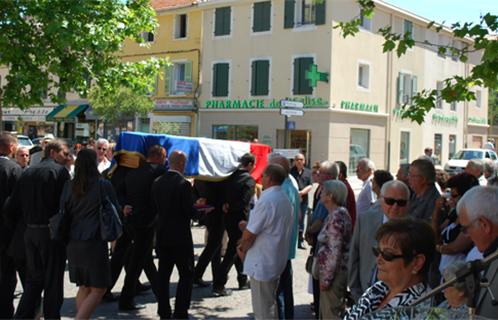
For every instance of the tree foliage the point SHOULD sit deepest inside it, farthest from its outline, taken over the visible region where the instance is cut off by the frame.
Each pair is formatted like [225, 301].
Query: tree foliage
[51, 47]
[122, 102]
[456, 88]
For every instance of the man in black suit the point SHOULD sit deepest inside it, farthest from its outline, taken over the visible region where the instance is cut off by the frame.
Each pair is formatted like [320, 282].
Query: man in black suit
[140, 224]
[172, 200]
[10, 172]
[239, 190]
[38, 195]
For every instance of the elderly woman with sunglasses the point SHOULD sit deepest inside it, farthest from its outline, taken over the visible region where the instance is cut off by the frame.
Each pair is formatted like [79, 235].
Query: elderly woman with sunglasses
[333, 247]
[404, 253]
[451, 241]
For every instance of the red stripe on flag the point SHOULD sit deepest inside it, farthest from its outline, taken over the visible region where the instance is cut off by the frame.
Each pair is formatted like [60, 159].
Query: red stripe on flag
[261, 152]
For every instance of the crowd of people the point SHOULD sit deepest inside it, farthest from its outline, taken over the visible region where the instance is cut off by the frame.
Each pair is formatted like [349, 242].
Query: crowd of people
[369, 254]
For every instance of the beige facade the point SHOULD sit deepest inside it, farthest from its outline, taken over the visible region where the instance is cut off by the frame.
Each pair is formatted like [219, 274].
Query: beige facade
[361, 77]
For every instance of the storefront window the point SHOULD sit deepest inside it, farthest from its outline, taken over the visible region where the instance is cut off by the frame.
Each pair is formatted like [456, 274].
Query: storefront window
[404, 148]
[438, 146]
[359, 147]
[235, 132]
[451, 146]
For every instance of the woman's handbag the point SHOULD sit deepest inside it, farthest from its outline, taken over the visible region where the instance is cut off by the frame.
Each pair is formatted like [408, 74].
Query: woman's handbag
[309, 264]
[59, 224]
[111, 227]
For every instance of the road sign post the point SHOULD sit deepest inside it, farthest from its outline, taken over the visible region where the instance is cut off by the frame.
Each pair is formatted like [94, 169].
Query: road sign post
[290, 108]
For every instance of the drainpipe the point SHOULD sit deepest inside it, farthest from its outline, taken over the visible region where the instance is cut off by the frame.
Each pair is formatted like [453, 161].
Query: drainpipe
[389, 72]
[466, 111]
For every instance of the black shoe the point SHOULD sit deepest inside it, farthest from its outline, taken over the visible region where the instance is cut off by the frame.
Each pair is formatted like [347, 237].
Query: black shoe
[222, 292]
[198, 282]
[131, 307]
[109, 297]
[143, 287]
[244, 285]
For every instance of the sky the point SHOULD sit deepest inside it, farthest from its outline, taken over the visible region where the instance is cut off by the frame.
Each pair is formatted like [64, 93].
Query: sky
[450, 11]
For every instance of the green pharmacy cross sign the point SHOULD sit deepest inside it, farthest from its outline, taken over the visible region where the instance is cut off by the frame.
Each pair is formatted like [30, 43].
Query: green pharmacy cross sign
[314, 76]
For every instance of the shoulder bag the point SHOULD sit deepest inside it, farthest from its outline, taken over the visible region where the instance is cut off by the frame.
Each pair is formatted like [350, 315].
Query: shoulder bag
[111, 227]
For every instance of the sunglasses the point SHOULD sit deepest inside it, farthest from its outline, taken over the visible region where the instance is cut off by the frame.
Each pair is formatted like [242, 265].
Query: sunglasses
[392, 201]
[103, 149]
[386, 255]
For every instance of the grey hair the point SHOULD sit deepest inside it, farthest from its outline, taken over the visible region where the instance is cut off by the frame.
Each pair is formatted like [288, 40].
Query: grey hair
[479, 202]
[395, 184]
[476, 164]
[489, 167]
[366, 163]
[450, 273]
[337, 190]
[279, 159]
[331, 168]
[102, 141]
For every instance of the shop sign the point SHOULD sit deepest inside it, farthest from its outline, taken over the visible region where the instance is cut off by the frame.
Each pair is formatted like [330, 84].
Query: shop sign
[437, 117]
[173, 105]
[477, 120]
[314, 76]
[358, 106]
[31, 114]
[183, 86]
[308, 102]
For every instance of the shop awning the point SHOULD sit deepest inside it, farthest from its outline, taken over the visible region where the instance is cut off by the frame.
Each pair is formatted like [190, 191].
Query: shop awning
[66, 112]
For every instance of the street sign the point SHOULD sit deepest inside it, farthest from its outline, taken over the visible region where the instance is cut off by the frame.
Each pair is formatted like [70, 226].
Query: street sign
[291, 104]
[291, 112]
[288, 153]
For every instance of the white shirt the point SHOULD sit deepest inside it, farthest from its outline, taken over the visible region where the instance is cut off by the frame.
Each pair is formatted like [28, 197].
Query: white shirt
[365, 198]
[271, 222]
[103, 165]
[483, 181]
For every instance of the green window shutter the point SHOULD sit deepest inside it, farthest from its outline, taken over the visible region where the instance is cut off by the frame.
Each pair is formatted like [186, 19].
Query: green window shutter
[254, 79]
[220, 80]
[320, 12]
[261, 16]
[295, 87]
[260, 78]
[188, 72]
[168, 76]
[289, 14]
[414, 87]
[227, 20]
[401, 89]
[222, 21]
[304, 84]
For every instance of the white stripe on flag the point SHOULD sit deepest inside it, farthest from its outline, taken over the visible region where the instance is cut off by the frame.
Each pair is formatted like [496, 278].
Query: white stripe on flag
[220, 158]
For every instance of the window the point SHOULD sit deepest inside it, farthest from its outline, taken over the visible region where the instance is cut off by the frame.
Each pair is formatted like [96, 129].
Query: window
[407, 88]
[260, 70]
[438, 146]
[404, 148]
[408, 28]
[303, 12]
[453, 106]
[147, 36]
[181, 26]
[359, 147]
[301, 84]
[220, 79]
[222, 21]
[179, 79]
[235, 132]
[261, 16]
[364, 76]
[478, 98]
[366, 23]
[451, 146]
[439, 97]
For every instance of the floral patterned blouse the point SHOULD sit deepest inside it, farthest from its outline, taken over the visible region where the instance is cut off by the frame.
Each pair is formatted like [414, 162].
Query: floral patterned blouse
[334, 240]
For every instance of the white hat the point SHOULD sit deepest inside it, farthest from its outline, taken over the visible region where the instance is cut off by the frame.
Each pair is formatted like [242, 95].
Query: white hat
[48, 136]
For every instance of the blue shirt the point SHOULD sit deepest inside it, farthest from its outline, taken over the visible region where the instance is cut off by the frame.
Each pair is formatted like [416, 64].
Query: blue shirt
[320, 212]
[293, 195]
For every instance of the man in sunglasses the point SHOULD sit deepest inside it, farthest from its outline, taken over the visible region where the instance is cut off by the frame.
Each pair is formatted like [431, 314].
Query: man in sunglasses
[361, 266]
[101, 149]
[479, 220]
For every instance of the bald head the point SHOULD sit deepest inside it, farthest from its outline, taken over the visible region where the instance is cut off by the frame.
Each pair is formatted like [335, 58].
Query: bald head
[177, 160]
[281, 160]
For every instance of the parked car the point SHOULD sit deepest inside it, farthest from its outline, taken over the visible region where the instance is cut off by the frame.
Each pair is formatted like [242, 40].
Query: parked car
[24, 141]
[459, 161]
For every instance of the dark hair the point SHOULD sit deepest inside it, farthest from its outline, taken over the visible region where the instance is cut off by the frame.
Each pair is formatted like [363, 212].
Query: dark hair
[55, 145]
[382, 176]
[343, 169]
[155, 151]
[247, 159]
[413, 237]
[426, 169]
[462, 182]
[276, 173]
[85, 171]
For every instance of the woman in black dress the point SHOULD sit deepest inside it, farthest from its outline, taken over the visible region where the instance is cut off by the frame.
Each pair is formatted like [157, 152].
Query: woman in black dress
[86, 251]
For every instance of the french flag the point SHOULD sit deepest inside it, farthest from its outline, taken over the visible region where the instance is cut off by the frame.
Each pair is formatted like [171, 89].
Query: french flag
[208, 159]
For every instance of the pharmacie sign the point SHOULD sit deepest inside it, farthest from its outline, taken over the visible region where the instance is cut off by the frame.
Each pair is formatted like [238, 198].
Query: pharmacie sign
[359, 106]
[309, 102]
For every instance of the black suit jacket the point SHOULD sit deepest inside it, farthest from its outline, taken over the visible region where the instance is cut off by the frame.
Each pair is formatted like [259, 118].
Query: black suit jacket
[10, 172]
[172, 200]
[239, 189]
